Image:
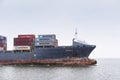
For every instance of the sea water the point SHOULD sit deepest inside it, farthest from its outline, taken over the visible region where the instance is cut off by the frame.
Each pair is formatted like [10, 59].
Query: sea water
[105, 69]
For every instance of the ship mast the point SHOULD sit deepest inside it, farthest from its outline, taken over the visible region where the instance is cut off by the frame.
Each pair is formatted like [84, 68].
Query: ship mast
[76, 33]
[75, 37]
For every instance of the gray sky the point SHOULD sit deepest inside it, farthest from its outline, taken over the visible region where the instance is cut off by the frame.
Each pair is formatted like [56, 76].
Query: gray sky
[97, 21]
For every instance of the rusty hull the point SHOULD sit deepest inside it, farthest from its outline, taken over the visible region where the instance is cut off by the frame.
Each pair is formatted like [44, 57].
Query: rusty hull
[64, 61]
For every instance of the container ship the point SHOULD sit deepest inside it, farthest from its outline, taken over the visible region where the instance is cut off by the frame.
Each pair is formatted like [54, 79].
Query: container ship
[41, 49]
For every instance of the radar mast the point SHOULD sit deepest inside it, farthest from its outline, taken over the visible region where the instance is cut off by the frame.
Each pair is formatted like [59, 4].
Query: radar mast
[75, 36]
[76, 33]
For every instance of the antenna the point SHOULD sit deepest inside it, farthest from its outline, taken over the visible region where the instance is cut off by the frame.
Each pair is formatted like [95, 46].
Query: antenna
[75, 33]
[75, 37]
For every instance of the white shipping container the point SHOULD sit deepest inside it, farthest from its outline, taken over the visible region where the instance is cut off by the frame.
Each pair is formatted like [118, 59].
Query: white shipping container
[51, 36]
[37, 44]
[22, 47]
[46, 40]
[1, 49]
[37, 39]
[51, 43]
[46, 44]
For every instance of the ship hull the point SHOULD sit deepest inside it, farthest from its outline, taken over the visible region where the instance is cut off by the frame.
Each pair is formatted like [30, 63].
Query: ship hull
[49, 53]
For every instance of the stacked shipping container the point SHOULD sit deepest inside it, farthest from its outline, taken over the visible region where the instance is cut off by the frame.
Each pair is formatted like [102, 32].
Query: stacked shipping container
[24, 42]
[3, 43]
[29, 42]
[46, 41]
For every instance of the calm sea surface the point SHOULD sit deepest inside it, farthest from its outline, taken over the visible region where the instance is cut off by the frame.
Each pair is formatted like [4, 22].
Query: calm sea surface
[106, 69]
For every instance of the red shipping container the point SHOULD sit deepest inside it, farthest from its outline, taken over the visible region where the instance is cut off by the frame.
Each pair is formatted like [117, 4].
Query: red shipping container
[23, 41]
[26, 36]
[4, 46]
[1, 45]
[2, 41]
